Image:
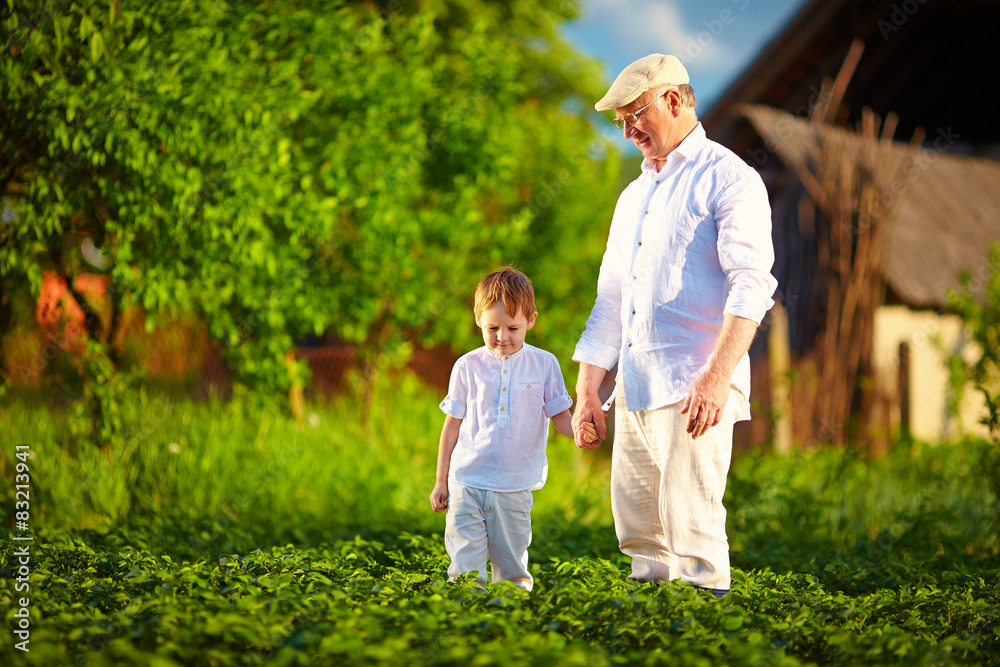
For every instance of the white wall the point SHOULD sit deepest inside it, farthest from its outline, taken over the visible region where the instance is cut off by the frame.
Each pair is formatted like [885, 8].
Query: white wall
[930, 335]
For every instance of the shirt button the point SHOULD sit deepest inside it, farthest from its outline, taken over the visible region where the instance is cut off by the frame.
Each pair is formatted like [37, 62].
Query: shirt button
[633, 278]
[640, 242]
[505, 371]
[633, 312]
[505, 358]
[501, 408]
[657, 181]
[630, 345]
[504, 389]
[646, 213]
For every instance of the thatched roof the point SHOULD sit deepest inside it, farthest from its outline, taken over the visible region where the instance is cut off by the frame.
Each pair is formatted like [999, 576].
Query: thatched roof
[949, 215]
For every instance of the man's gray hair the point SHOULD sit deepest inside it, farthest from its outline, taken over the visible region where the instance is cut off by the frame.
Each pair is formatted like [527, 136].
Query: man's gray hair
[685, 91]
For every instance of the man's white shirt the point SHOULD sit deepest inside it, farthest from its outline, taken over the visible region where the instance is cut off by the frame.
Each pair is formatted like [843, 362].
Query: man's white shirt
[687, 245]
[505, 403]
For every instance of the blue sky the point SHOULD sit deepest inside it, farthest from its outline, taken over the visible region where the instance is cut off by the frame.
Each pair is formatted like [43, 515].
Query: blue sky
[715, 39]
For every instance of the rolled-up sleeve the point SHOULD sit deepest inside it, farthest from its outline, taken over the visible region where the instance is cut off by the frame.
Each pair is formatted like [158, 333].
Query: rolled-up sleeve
[556, 397]
[454, 404]
[746, 252]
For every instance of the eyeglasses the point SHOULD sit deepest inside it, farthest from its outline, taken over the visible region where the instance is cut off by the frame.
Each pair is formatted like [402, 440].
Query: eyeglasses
[631, 118]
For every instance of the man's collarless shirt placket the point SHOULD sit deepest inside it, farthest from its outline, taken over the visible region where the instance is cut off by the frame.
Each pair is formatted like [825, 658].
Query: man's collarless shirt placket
[654, 220]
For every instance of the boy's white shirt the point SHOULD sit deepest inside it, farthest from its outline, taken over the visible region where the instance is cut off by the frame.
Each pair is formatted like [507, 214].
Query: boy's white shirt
[505, 403]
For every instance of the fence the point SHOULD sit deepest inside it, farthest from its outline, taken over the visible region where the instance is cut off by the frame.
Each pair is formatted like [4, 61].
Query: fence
[178, 353]
[329, 365]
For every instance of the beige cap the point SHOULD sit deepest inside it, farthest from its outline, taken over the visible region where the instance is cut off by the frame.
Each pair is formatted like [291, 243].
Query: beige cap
[650, 72]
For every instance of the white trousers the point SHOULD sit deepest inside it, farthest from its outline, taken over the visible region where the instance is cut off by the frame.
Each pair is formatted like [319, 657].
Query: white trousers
[482, 523]
[666, 493]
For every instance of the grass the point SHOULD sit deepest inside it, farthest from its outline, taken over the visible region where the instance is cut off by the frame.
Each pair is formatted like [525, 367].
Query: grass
[215, 537]
[354, 466]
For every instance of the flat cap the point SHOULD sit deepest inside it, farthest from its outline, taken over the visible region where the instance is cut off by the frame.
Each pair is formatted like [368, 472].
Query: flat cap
[650, 72]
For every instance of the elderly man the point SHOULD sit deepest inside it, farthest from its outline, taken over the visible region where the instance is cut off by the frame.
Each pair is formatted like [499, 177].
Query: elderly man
[684, 283]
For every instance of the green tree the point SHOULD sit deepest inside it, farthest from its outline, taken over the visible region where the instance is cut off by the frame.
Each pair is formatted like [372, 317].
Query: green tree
[977, 302]
[293, 167]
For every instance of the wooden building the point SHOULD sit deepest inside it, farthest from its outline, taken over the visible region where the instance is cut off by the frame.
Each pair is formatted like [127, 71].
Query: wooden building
[921, 67]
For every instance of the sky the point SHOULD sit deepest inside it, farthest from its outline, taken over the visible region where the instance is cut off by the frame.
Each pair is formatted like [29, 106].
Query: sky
[715, 39]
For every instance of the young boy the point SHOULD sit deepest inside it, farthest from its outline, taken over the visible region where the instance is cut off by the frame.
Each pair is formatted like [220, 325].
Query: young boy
[492, 450]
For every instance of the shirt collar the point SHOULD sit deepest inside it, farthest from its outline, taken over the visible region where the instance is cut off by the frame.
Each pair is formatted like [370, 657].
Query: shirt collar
[512, 355]
[685, 150]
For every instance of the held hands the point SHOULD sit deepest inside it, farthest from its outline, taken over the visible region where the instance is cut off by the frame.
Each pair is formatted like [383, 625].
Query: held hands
[439, 497]
[589, 434]
[705, 403]
[588, 423]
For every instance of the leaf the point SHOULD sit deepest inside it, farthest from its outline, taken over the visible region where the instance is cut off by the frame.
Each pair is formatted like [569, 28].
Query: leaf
[96, 46]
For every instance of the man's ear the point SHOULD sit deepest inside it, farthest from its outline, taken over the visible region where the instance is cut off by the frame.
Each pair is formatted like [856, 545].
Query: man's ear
[674, 100]
[531, 320]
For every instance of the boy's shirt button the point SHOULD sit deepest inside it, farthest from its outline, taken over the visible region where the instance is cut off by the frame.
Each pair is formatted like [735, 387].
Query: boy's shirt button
[504, 389]
[505, 371]
[501, 408]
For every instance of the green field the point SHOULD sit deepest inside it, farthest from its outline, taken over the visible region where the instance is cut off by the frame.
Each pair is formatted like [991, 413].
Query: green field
[219, 538]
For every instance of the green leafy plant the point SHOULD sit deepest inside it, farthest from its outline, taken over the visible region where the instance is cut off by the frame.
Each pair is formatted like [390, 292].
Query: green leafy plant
[978, 303]
[212, 537]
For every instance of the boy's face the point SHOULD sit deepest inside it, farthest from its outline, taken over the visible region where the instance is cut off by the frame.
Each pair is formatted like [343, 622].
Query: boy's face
[502, 333]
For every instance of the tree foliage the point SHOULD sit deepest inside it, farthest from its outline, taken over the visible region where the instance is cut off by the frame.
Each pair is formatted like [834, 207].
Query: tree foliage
[296, 167]
[978, 304]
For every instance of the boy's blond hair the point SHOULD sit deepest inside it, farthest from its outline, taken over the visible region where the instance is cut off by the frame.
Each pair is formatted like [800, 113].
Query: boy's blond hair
[509, 287]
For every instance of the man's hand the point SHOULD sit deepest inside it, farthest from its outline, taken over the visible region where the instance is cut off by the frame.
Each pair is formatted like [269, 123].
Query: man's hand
[706, 402]
[707, 398]
[439, 497]
[588, 422]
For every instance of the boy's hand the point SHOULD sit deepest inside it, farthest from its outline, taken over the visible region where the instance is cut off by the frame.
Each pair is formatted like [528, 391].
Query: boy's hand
[589, 433]
[587, 436]
[439, 497]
